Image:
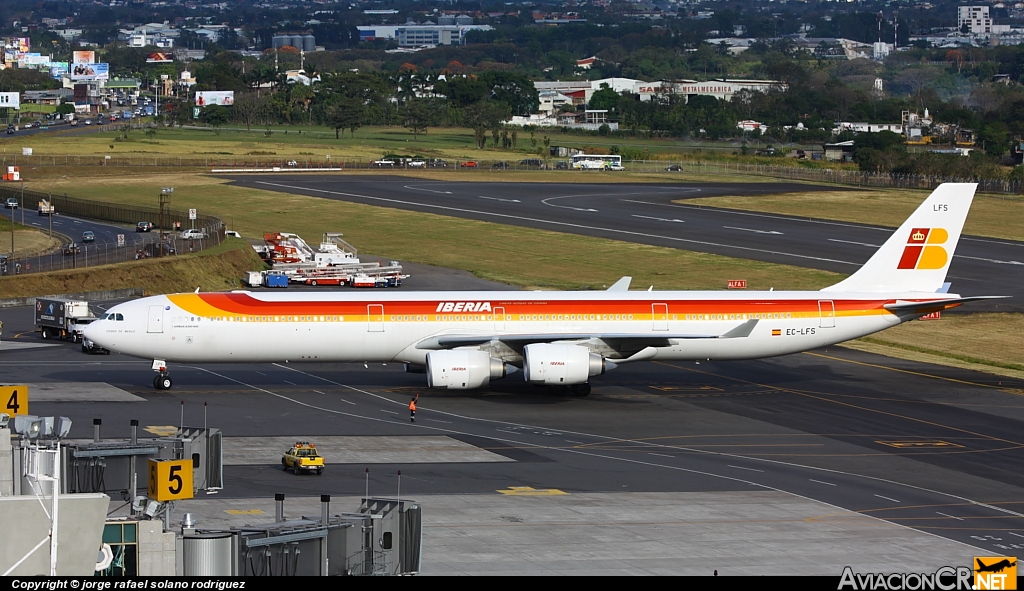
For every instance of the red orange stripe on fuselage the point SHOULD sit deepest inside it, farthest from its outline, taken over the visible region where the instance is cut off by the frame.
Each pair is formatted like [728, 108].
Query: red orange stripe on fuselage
[243, 304]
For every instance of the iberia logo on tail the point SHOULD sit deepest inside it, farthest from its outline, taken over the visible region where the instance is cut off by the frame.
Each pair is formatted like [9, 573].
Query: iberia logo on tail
[922, 250]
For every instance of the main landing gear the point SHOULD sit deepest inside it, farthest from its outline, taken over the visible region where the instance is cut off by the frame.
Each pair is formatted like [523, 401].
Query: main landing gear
[163, 380]
[580, 390]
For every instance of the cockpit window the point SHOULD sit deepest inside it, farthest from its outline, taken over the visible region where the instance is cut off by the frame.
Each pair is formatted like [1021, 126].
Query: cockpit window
[119, 317]
[105, 316]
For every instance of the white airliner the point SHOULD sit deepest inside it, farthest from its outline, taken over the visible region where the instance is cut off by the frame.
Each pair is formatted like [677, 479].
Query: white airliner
[463, 340]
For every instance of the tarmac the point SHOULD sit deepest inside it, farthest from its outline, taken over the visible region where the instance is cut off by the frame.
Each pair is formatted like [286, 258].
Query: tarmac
[751, 533]
[801, 464]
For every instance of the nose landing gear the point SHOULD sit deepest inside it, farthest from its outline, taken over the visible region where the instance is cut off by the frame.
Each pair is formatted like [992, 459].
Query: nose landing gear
[163, 380]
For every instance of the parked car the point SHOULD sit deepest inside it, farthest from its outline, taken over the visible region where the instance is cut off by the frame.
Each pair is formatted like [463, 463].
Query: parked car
[10, 128]
[417, 163]
[88, 121]
[70, 249]
[673, 168]
[193, 234]
[88, 236]
[144, 227]
[437, 163]
[502, 165]
[615, 167]
[562, 165]
[468, 164]
[11, 203]
[384, 163]
[532, 163]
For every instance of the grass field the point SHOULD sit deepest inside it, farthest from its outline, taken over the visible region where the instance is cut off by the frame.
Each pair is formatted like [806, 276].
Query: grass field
[219, 268]
[27, 240]
[992, 216]
[317, 143]
[493, 251]
[983, 342]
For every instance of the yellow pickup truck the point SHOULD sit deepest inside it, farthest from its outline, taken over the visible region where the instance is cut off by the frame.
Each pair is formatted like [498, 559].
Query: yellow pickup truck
[303, 457]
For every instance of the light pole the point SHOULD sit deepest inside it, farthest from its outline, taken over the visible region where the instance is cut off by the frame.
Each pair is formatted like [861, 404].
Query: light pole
[12, 233]
[50, 203]
[165, 199]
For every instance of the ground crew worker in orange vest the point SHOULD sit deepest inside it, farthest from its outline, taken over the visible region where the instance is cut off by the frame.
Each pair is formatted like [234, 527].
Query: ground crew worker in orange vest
[412, 409]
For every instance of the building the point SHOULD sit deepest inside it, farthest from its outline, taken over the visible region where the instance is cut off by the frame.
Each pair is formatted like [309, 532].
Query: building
[973, 19]
[580, 91]
[864, 127]
[300, 41]
[415, 35]
[724, 89]
[552, 100]
[839, 152]
[748, 125]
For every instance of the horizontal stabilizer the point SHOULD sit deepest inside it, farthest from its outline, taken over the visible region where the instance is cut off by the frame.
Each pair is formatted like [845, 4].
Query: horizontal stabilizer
[621, 284]
[905, 307]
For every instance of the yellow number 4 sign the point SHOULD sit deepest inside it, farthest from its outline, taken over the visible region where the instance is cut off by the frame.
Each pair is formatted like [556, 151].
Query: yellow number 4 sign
[170, 480]
[14, 400]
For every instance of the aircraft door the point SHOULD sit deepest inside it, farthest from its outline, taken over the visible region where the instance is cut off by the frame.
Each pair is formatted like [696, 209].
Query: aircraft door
[375, 318]
[659, 314]
[499, 319]
[156, 319]
[827, 311]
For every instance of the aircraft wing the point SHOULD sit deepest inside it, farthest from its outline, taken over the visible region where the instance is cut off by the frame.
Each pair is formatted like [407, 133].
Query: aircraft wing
[623, 340]
[905, 307]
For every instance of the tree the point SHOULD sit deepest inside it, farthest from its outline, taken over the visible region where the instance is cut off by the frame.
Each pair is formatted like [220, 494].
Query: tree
[417, 116]
[486, 116]
[995, 138]
[346, 113]
[514, 89]
[250, 109]
[303, 96]
[605, 98]
[214, 115]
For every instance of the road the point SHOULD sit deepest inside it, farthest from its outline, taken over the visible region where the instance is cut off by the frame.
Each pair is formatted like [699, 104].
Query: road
[645, 213]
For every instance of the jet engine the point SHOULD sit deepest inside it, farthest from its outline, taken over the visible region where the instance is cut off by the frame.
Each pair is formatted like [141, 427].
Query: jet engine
[463, 369]
[555, 364]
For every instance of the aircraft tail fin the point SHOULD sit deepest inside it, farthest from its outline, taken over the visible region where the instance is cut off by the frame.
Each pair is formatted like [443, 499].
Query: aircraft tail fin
[917, 256]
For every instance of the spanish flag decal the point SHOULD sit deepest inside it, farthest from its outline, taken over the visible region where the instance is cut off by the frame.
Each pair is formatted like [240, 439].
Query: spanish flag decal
[922, 250]
[776, 332]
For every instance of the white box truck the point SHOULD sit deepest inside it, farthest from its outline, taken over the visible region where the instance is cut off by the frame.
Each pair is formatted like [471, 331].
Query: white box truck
[62, 319]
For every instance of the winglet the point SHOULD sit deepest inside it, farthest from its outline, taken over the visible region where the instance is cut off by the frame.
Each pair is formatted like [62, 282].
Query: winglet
[621, 284]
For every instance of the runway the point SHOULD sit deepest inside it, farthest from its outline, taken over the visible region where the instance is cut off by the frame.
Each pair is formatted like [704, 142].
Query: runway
[644, 213]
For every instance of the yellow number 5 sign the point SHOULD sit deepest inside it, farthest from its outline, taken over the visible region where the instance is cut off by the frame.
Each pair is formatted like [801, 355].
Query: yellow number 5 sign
[14, 400]
[170, 480]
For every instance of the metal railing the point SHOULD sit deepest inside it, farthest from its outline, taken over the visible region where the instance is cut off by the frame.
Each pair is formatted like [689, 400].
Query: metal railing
[72, 255]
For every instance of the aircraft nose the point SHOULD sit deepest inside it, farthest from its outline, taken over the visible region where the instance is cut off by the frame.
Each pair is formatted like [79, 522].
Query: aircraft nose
[91, 332]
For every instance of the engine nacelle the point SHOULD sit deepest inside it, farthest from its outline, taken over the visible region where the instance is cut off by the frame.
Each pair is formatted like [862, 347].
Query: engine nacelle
[462, 369]
[555, 364]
